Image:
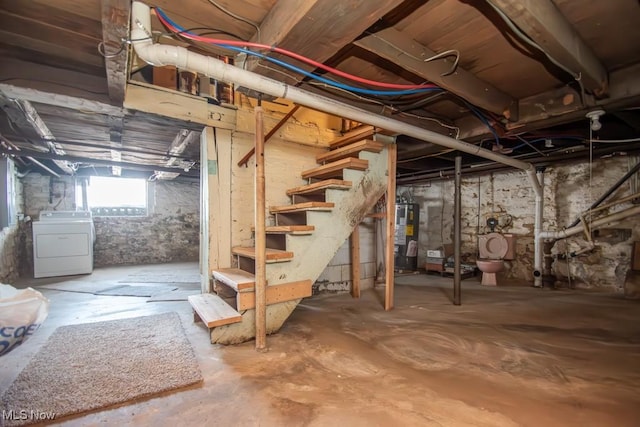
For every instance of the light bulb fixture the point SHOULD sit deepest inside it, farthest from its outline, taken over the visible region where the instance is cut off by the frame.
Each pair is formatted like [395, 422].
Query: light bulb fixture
[594, 116]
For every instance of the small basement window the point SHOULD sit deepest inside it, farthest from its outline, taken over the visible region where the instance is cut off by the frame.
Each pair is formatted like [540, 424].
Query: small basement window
[113, 196]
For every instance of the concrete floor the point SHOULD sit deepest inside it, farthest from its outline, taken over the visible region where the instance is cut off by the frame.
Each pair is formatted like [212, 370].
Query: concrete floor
[508, 356]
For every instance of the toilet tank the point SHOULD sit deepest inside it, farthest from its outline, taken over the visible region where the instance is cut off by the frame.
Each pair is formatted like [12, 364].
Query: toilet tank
[511, 246]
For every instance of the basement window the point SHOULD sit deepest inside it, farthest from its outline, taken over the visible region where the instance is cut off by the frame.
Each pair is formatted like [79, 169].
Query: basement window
[112, 196]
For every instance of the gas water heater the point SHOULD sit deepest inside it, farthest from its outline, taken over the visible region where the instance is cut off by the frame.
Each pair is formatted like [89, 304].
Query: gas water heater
[406, 236]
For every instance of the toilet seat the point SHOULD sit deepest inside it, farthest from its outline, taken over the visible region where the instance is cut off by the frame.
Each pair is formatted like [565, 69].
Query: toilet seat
[492, 246]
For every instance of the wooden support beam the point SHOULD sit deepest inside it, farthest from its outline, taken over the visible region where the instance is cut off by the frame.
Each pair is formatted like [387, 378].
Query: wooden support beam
[115, 140]
[246, 157]
[165, 102]
[394, 46]
[25, 116]
[260, 236]
[115, 29]
[564, 105]
[218, 171]
[58, 100]
[391, 228]
[317, 29]
[543, 23]
[355, 262]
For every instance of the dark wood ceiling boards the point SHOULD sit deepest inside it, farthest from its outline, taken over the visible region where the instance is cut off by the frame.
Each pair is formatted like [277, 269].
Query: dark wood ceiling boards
[52, 46]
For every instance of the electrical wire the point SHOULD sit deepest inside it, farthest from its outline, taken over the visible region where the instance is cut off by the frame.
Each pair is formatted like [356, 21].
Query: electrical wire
[226, 43]
[238, 17]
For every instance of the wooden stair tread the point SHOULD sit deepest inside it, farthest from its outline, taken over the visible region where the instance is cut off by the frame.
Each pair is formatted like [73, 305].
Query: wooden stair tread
[316, 187]
[306, 206]
[333, 169]
[350, 150]
[357, 134]
[273, 255]
[237, 279]
[290, 229]
[213, 310]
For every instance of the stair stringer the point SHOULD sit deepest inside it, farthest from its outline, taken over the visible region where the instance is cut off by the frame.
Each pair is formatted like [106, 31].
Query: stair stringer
[312, 253]
[245, 330]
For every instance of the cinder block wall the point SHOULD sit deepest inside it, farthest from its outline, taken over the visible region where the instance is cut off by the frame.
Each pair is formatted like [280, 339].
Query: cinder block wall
[569, 190]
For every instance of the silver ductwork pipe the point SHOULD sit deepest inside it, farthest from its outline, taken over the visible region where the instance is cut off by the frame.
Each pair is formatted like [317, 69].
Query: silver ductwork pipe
[159, 55]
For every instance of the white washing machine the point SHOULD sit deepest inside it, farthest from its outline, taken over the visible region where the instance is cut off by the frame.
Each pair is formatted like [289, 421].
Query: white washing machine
[63, 243]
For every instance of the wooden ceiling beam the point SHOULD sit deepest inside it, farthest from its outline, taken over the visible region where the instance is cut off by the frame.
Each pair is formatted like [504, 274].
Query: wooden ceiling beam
[115, 29]
[318, 29]
[25, 117]
[59, 18]
[543, 23]
[564, 105]
[394, 46]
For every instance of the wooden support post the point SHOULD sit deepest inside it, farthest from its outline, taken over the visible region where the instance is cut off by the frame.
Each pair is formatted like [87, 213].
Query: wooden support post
[260, 236]
[355, 262]
[391, 227]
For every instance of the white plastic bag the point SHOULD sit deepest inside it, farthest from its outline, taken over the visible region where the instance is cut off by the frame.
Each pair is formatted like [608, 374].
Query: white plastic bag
[21, 314]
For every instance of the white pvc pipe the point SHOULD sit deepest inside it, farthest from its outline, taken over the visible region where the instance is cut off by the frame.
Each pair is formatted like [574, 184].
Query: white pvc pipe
[607, 220]
[157, 54]
[537, 242]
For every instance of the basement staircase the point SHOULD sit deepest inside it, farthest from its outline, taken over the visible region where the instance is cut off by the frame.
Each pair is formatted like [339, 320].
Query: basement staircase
[303, 239]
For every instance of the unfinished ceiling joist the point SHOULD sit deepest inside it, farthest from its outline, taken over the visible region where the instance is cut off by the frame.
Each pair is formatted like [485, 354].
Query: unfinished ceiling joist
[394, 46]
[183, 139]
[115, 29]
[97, 162]
[543, 23]
[317, 29]
[33, 95]
[564, 105]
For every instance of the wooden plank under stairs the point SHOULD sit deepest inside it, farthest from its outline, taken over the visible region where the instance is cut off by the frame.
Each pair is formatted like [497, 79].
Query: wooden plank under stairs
[302, 207]
[273, 255]
[350, 150]
[334, 169]
[320, 186]
[236, 279]
[275, 294]
[213, 311]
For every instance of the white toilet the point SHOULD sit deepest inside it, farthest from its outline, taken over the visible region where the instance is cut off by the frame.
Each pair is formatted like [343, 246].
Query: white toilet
[494, 249]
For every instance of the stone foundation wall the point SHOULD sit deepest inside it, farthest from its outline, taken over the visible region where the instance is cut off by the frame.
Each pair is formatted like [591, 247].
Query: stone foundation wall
[507, 196]
[11, 243]
[170, 232]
